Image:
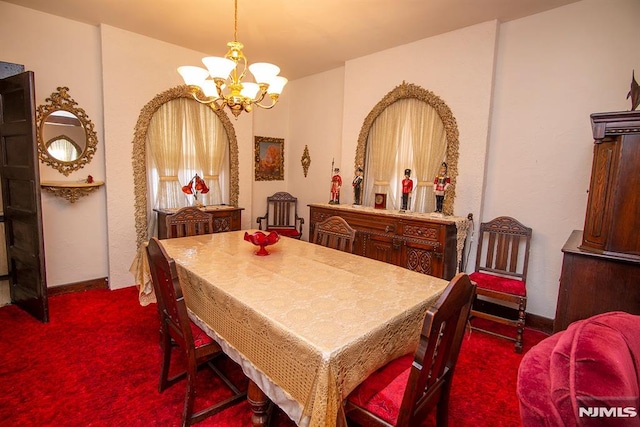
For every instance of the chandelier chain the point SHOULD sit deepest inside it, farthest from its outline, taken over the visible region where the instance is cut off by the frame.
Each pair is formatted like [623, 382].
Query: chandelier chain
[235, 22]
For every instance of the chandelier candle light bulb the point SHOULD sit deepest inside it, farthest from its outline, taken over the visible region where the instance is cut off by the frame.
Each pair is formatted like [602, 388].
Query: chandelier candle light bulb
[222, 83]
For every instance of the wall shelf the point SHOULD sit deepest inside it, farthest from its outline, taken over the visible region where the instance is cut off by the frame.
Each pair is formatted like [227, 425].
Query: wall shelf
[70, 190]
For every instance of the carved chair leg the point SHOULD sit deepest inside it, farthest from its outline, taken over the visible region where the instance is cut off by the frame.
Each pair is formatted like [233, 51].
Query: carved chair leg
[520, 328]
[189, 398]
[165, 346]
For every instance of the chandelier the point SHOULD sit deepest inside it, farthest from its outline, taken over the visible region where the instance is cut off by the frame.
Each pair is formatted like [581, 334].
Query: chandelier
[221, 83]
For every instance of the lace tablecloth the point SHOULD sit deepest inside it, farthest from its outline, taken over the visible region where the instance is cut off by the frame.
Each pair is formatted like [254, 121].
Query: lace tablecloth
[306, 323]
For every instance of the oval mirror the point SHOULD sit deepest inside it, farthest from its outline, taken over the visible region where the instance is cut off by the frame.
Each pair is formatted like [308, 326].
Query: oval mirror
[66, 138]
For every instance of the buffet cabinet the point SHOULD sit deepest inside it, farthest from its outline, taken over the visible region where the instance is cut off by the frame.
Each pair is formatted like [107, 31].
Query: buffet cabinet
[592, 283]
[225, 218]
[601, 264]
[414, 241]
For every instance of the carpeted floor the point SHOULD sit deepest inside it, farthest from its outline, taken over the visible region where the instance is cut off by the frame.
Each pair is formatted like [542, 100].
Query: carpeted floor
[97, 364]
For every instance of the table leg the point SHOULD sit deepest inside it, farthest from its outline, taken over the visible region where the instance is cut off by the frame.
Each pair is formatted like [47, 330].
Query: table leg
[259, 403]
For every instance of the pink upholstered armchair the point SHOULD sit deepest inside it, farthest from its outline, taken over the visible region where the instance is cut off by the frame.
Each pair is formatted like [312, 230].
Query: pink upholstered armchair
[587, 375]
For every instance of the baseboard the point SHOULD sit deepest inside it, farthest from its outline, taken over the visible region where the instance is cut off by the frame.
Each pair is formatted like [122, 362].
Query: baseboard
[101, 283]
[533, 321]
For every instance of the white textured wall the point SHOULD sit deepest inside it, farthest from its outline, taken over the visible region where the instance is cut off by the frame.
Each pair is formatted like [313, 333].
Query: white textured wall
[458, 67]
[316, 115]
[64, 53]
[135, 70]
[554, 69]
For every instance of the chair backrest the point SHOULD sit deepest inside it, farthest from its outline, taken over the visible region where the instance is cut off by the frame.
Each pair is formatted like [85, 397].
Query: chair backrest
[189, 221]
[503, 248]
[435, 359]
[282, 210]
[171, 305]
[334, 232]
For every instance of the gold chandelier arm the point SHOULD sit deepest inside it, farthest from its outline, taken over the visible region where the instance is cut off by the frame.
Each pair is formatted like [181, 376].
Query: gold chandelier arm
[213, 102]
[274, 101]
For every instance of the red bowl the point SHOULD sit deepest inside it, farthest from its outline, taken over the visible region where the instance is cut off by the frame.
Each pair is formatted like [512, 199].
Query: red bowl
[263, 240]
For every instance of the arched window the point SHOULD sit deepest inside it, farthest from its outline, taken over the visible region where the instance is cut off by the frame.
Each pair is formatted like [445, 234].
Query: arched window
[410, 128]
[175, 138]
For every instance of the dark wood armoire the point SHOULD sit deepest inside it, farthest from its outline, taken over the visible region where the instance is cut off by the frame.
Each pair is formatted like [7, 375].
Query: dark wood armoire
[601, 265]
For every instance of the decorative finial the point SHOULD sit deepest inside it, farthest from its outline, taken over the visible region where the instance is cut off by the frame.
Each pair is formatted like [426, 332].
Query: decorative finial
[634, 93]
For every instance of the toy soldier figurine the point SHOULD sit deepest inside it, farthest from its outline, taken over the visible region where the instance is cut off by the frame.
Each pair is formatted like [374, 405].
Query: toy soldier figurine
[440, 185]
[407, 188]
[336, 183]
[357, 186]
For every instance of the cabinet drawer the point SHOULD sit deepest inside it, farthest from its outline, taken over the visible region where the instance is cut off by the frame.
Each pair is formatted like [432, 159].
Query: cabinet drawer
[432, 232]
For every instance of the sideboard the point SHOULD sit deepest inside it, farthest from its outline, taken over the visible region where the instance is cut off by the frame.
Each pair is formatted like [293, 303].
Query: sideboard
[225, 218]
[592, 283]
[416, 241]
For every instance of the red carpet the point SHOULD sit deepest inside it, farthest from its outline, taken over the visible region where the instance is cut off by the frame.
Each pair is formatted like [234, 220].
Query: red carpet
[97, 364]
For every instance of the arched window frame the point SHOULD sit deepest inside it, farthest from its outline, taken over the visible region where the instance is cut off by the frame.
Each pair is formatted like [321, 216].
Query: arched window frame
[139, 157]
[405, 91]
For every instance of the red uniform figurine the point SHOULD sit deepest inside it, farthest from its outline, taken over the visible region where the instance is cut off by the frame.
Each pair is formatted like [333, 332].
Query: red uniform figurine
[440, 185]
[407, 188]
[336, 183]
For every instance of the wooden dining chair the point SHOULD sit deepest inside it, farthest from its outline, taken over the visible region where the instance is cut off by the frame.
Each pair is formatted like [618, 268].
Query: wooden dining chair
[334, 232]
[501, 271]
[404, 391]
[282, 216]
[176, 329]
[189, 221]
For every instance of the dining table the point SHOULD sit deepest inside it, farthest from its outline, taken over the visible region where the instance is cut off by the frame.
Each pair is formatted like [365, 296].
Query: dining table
[306, 323]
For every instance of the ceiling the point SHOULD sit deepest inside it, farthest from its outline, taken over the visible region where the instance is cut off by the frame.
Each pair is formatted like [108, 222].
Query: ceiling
[303, 37]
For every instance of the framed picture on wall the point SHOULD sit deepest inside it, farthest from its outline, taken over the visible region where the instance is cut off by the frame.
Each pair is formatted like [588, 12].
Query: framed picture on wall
[269, 159]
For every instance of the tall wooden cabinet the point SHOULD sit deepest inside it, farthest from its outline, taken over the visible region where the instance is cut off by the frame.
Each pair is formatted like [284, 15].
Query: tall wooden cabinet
[411, 240]
[601, 265]
[612, 224]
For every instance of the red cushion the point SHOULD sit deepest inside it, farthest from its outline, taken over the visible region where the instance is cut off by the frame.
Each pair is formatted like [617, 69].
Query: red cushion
[200, 338]
[593, 364]
[381, 393]
[500, 284]
[596, 363]
[533, 386]
[289, 232]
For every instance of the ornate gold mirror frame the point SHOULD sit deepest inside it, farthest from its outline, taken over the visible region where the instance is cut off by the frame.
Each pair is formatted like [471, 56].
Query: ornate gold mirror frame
[61, 101]
[139, 156]
[408, 90]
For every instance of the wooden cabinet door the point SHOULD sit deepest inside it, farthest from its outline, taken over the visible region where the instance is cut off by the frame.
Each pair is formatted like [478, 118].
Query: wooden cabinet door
[596, 228]
[422, 258]
[382, 248]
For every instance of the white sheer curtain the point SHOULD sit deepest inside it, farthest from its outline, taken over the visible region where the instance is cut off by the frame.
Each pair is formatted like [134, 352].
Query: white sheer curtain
[164, 145]
[384, 136]
[408, 134]
[184, 138]
[428, 140]
[211, 143]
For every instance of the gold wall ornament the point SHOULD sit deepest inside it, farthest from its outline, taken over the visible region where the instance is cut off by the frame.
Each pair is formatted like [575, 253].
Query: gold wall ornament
[305, 160]
[69, 190]
[408, 90]
[139, 156]
[62, 121]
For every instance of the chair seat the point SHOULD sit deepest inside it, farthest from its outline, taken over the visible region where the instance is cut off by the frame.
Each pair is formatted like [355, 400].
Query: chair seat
[200, 338]
[381, 393]
[492, 282]
[288, 232]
